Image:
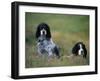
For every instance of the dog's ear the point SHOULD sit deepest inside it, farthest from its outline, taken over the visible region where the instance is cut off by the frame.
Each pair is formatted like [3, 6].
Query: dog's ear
[84, 47]
[75, 48]
[37, 32]
[85, 51]
[48, 35]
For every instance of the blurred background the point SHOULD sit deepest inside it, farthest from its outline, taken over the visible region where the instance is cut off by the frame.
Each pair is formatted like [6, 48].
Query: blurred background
[66, 31]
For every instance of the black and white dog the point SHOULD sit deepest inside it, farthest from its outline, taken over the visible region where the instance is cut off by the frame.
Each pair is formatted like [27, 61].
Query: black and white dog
[45, 45]
[79, 49]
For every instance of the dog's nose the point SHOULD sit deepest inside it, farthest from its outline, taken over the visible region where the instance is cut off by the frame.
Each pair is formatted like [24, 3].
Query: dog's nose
[82, 52]
[43, 32]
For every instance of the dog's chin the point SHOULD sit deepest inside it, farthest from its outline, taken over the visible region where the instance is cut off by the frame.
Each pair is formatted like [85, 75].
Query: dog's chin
[41, 38]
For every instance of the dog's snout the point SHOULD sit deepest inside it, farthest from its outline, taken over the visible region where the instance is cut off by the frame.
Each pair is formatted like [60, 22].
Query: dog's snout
[43, 32]
[82, 52]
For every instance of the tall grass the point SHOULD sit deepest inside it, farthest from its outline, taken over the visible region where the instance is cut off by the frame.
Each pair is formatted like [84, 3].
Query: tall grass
[66, 30]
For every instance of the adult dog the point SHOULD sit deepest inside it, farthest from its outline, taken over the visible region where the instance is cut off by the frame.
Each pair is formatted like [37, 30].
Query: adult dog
[45, 45]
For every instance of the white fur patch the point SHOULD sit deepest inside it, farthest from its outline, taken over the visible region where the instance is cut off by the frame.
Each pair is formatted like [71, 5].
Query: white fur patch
[80, 50]
[43, 30]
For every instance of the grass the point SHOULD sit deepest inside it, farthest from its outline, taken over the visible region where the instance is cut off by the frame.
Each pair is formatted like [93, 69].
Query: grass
[66, 30]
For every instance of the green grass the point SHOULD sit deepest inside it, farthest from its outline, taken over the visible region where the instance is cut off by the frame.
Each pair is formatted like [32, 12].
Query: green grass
[66, 30]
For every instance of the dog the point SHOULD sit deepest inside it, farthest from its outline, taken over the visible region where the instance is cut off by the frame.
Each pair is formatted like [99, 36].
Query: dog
[45, 44]
[79, 49]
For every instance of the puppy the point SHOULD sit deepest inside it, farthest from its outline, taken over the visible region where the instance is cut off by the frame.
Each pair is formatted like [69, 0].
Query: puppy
[79, 49]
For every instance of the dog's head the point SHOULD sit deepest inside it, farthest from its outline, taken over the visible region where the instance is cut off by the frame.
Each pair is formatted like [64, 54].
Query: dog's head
[79, 48]
[43, 30]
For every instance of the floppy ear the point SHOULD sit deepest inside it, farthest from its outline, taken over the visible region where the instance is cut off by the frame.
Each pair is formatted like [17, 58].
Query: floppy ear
[37, 32]
[85, 51]
[74, 49]
[48, 35]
